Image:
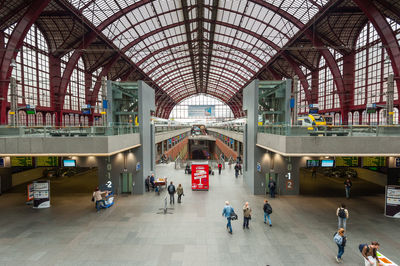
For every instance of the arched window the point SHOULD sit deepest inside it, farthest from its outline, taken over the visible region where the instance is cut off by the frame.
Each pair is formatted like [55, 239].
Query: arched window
[39, 119]
[337, 119]
[31, 120]
[48, 119]
[192, 108]
[364, 118]
[350, 118]
[32, 60]
[373, 119]
[356, 118]
[66, 121]
[75, 96]
[22, 118]
[372, 67]
[382, 117]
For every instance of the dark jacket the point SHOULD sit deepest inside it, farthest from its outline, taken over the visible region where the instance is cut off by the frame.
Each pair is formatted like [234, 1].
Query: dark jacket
[171, 189]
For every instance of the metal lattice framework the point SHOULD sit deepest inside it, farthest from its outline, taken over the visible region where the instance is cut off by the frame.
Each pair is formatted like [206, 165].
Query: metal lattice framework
[186, 47]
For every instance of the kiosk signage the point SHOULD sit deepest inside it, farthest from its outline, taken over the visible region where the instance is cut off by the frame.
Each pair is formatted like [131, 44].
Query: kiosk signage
[200, 176]
[392, 205]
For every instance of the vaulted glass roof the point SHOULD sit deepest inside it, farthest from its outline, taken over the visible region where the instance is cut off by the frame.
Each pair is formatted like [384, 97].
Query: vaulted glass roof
[199, 46]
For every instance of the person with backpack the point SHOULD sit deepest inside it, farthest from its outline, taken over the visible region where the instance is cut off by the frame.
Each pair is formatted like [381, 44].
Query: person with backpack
[369, 253]
[343, 214]
[246, 215]
[228, 212]
[340, 240]
[179, 191]
[267, 212]
[171, 191]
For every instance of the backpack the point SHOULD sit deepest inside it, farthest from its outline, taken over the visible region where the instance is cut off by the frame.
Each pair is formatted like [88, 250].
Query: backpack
[171, 189]
[342, 213]
[233, 215]
[361, 247]
[268, 208]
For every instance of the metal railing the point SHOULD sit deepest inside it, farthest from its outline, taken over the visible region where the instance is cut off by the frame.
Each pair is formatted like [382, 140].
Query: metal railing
[159, 129]
[68, 131]
[237, 129]
[344, 130]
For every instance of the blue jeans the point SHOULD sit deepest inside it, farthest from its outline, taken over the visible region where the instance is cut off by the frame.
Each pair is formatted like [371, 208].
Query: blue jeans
[340, 251]
[342, 223]
[246, 222]
[98, 204]
[266, 215]
[228, 225]
[347, 192]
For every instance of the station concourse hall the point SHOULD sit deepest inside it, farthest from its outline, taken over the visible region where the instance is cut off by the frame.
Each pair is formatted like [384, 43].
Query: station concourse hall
[208, 132]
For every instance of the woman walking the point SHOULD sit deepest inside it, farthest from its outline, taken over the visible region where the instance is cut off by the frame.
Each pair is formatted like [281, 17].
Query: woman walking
[179, 190]
[246, 215]
[340, 240]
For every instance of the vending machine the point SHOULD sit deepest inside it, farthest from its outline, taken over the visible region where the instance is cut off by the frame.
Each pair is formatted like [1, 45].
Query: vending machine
[200, 176]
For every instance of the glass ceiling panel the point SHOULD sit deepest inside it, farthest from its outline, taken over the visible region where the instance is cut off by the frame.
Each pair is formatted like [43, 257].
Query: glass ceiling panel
[166, 62]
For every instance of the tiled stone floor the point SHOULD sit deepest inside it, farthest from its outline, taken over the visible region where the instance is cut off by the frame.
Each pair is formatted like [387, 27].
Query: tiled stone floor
[131, 233]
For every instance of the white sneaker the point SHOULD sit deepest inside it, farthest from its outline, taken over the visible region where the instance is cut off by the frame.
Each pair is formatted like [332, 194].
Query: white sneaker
[337, 260]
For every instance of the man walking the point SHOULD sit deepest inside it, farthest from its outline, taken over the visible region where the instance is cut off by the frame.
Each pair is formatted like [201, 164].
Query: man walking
[236, 170]
[246, 215]
[147, 183]
[343, 214]
[227, 211]
[267, 212]
[219, 168]
[171, 191]
[347, 186]
[272, 187]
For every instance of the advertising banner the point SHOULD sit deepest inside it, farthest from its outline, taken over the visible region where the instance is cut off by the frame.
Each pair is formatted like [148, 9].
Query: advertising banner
[374, 161]
[392, 206]
[47, 161]
[201, 110]
[200, 177]
[21, 161]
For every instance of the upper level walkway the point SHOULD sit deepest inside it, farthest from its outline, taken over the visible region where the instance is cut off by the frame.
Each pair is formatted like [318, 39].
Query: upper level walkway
[332, 141]
[84, 141]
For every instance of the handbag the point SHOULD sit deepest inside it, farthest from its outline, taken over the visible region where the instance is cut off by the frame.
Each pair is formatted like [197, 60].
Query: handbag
[233, 215]
[92, 198]
[249, 217]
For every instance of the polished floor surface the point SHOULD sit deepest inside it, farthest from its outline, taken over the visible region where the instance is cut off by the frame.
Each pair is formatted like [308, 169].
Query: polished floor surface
[132, 233]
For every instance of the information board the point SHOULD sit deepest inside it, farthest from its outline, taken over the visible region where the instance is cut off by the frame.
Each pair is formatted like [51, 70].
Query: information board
[392, 206]
[21, 161]
[346, 161]
[200, 177]
[374, 161]
[47, 161]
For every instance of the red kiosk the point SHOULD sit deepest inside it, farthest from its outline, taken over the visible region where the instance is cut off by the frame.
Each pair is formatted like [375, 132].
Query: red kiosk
[200, 176]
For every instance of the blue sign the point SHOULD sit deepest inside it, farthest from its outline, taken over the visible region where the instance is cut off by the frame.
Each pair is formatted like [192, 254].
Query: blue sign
[1, 163]
[232, 141]
[313, 111]
[258, 167]
[86, 111]
[291, 102]
[105, 104]
[28, 106]
[138, 166]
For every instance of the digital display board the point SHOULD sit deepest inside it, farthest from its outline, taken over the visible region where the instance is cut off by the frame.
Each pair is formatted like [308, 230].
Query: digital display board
[312, 163]
[21, 161]
[346, 161]
[327, 163]
[69, 163]
[374, 161]
[47, 161]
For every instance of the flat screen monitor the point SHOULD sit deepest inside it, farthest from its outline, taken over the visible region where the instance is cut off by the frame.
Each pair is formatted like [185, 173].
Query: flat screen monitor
[327, 163]
[312, 163]
[69, 163]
